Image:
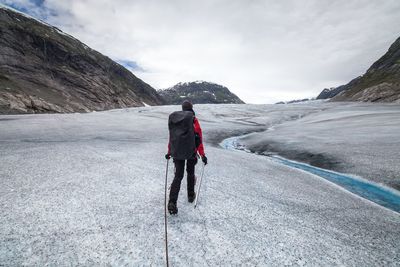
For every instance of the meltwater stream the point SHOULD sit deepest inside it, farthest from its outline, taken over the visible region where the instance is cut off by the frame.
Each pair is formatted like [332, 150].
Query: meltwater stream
[374, 192]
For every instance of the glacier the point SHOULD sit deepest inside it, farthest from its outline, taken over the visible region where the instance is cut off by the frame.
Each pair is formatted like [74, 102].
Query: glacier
[88, 189]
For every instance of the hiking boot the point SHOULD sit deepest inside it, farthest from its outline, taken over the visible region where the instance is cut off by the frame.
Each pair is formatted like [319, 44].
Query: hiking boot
[172, 208]
[191, 197]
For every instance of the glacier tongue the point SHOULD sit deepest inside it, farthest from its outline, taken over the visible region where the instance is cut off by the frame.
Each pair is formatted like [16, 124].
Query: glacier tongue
[87, 189]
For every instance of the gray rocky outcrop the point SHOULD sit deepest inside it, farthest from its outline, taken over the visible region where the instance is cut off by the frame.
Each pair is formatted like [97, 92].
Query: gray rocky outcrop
[42, 69]
[380, 83]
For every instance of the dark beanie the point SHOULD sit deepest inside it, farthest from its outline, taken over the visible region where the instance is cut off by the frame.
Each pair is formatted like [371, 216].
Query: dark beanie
[187, 105]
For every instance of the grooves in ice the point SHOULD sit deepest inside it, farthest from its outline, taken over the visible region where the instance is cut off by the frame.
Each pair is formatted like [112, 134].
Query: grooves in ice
[369, 190]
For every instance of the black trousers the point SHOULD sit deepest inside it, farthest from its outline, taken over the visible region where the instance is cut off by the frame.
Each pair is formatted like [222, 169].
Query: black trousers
[179, 173]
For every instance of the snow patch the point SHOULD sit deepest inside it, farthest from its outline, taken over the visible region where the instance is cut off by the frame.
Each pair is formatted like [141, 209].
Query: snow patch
[66, 34]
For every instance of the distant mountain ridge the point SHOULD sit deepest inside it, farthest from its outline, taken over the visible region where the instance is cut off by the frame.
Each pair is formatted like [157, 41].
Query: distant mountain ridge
[43, 69]
[199, 92]
[296, 101]
[380, 83]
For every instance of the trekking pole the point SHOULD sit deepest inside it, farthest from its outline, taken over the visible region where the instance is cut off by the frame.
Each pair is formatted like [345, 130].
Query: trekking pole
[198, 189]
[165, 214]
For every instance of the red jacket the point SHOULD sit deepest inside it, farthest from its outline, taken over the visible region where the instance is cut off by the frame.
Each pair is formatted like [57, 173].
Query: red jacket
[197, 130]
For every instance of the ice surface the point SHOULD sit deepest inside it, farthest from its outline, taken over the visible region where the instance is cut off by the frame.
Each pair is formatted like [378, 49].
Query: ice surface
[87, 189]
[378, 193]
[361, 139]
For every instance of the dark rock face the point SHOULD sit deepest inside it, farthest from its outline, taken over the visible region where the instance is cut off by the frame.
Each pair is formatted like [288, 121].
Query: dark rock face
[331, 92]
[381, 82]
[328, 93]
[199, 92]
[45, 70]
[324, 93]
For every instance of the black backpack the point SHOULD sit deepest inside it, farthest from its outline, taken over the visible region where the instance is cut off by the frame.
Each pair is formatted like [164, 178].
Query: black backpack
[181, 135]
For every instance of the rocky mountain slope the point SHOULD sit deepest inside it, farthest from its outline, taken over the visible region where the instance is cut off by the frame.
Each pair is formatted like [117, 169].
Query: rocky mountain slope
[43, 69]
[381, 82]
[199, 92]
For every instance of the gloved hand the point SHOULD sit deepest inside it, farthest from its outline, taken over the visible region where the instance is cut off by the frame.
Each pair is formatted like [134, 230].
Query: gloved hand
[167, 156]
[204, 159]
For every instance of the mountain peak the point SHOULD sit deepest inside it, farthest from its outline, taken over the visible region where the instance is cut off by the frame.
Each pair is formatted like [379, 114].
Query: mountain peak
[199, 92]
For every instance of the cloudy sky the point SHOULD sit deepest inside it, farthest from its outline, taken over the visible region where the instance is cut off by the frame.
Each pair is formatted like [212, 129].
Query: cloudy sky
[264, 51]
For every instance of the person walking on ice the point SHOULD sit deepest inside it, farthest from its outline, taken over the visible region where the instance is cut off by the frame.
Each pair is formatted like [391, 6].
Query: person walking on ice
[185, 145]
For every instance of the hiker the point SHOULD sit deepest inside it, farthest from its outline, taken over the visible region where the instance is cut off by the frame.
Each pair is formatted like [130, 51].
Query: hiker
[185, 145]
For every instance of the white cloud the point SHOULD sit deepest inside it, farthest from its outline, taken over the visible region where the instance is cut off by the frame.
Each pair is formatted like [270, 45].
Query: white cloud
[264, 51]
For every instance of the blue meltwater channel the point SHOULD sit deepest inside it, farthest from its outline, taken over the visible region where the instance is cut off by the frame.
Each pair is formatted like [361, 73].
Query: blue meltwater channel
[381, 195]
